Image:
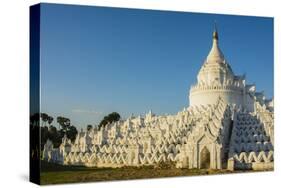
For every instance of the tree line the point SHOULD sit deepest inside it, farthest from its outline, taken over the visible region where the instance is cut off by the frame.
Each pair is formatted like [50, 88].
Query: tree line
[49, 131]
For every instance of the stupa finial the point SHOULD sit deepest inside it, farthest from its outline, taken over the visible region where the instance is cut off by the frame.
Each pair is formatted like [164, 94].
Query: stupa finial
[215, 33]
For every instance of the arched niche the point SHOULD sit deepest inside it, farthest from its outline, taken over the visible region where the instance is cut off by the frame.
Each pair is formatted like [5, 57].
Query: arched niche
[205, 158]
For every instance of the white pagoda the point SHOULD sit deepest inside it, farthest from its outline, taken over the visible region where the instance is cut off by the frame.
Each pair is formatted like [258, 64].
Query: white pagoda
[228, 125]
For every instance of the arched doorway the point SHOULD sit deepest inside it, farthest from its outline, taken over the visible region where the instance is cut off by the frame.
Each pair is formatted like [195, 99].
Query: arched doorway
[205, 158]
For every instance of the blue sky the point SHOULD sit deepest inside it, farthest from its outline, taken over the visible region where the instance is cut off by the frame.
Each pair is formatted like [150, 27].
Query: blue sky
[96, 60]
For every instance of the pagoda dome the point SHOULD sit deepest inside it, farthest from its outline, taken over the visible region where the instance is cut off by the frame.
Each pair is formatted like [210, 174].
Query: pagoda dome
[216, 80]
[215, 70]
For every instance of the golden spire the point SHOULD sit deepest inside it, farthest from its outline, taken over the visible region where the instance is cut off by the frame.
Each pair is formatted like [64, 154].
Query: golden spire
[215, 55]
[215, 33]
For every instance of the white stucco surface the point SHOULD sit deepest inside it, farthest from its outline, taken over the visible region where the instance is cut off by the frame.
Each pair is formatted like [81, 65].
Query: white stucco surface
[227, 125]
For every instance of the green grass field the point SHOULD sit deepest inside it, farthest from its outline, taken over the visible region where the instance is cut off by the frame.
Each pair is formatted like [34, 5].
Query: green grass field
[56, 174]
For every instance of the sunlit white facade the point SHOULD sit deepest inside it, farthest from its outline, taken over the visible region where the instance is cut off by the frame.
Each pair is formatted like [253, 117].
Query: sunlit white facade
[227, 125]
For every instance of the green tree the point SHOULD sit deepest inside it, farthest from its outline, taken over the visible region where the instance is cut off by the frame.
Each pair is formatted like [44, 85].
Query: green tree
[50, 120]
[112, 117]
[60, 135]
[63, 122]
[53, 133]
[71, 133]
[44, 118]
[89, 127]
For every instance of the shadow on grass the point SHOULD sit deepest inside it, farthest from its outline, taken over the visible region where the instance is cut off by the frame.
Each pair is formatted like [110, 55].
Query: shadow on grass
[52, 167]
[57, 174]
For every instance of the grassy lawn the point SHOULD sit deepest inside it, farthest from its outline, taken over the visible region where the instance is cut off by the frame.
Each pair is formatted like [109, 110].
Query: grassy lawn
[55, 174]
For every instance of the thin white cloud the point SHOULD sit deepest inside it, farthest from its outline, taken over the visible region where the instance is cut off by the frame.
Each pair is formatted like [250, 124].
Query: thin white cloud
[85, 111]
